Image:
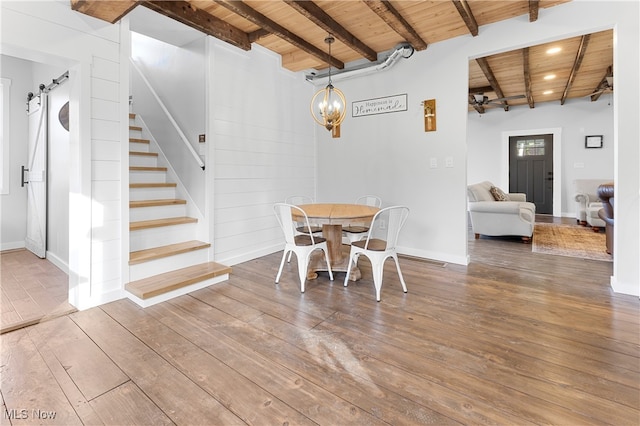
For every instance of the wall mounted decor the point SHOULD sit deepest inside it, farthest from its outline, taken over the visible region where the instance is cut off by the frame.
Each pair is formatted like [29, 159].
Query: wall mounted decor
[429, 115]
[384, 105]
[593, 141]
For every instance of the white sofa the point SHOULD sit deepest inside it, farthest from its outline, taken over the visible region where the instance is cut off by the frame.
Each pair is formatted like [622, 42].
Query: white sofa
[587, 202]
[514, 217]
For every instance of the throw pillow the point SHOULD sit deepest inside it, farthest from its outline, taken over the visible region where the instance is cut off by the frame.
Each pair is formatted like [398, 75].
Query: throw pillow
[498, 194]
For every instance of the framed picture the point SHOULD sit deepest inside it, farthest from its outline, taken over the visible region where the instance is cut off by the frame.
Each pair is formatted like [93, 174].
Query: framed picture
[593, 141]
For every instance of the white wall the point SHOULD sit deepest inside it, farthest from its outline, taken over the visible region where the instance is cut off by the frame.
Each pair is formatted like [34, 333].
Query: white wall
[50, 32]
[14, 203]
[177, 75]
[261, 145]
[389, 154]
[576, 119]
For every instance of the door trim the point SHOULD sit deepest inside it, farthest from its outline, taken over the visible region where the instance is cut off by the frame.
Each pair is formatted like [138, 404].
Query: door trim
[557, 161]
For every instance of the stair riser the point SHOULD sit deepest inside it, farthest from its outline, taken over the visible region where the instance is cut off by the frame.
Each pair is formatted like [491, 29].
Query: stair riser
[138, 146]
[138, 194]
[179, 292]
[158, 212]
[155, 237]
[143, 160]
[147, 177]
[167, 264]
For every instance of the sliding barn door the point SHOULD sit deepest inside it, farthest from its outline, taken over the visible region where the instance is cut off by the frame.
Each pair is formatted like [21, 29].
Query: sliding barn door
[36, 177]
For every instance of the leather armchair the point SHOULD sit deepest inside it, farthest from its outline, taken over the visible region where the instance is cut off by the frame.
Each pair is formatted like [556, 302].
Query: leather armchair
[515, 217]
[606, 194]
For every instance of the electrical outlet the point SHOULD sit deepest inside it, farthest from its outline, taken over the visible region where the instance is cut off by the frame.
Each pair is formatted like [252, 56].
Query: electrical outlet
[448, 162]
[383, 224]
[433, 162]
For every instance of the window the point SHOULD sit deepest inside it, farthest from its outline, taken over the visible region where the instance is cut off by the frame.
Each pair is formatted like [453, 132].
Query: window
[5, 85]
[529, 147]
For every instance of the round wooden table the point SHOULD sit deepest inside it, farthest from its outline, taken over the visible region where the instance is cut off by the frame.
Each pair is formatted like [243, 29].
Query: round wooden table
[332, 216]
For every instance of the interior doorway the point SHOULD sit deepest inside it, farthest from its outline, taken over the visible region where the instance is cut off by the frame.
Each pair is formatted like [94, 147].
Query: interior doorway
[531, 169]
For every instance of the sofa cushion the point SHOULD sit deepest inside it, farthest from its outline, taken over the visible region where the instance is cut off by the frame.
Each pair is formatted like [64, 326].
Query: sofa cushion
[498, 194]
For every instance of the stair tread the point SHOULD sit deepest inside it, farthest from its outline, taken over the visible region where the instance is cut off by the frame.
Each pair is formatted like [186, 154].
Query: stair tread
[132, 115]
[146, 255]
[135, 128]
[156, 223]
[144, 153]
[147, 169]
[139, 140]
[155, 203]
[163, 283]
[153, 185]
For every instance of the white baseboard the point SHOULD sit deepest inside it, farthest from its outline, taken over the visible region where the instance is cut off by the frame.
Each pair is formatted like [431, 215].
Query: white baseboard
[632, 289]
[60, 264]
[12, 246]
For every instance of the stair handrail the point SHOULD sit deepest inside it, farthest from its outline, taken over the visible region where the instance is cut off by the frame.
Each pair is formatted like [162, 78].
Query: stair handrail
[168, 114]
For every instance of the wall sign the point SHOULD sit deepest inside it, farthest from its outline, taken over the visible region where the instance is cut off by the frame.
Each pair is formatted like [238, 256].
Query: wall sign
[374, 106]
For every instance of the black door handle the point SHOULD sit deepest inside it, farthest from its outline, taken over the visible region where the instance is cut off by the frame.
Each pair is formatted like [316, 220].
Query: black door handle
[22, 177]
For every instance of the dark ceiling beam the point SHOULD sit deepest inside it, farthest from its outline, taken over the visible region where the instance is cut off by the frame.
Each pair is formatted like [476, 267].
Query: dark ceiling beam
[582, 49]
[534, 6]
[604, 84]
[467, 16]
[258, 34]
[480, 90]
[252, 15]
[315, 14]
[488, 73]
[110, 11]
[395, 21]
[184, 12]
[527, 77]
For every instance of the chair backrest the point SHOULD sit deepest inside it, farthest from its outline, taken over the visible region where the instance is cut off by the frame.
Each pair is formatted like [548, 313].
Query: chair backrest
[284, 214]
[386, 226]
[370, 200]
[296, 200]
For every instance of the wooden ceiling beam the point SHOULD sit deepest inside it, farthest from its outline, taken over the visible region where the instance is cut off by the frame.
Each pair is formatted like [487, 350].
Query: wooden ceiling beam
[478, 107]
[201, 20]
[315, 14]
[534, 7]
[258, 34]
[467, 16]
[582, 49]
[110, 11]
[488, 73]
[395, 21]
[252, 15]
[527, 77]
[480, 90]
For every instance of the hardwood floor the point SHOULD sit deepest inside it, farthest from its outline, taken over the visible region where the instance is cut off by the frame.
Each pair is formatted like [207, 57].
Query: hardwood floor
[32, 290]
[513, 338]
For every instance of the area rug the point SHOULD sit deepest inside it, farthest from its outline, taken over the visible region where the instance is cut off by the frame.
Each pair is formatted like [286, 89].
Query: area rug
[570, 240]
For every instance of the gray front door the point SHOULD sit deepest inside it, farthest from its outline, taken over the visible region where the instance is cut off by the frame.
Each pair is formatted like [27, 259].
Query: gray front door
[531, 169]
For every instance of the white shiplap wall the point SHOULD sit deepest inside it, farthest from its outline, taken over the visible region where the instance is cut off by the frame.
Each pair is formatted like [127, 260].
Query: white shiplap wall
[50, 32]
[262, 148]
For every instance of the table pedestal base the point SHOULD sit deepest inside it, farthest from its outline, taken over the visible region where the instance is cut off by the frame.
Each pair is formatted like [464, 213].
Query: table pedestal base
[318, 264]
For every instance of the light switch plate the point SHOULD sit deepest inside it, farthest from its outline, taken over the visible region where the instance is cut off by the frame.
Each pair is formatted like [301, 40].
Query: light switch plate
[433, 162]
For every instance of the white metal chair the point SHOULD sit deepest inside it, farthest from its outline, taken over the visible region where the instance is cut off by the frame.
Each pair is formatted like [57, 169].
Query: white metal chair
[297, 200]
[356, 232]
[302, 244]
[380, 244]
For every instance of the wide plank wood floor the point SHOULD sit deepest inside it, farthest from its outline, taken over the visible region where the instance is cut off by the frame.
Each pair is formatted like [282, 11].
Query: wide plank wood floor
[514, 338]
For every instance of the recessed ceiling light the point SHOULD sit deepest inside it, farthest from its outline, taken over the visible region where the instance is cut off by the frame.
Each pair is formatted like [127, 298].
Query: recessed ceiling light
[549, 76]
[547, 92]
[553, 50]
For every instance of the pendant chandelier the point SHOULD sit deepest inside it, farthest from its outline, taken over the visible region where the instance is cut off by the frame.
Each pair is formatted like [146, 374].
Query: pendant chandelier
[328, 105]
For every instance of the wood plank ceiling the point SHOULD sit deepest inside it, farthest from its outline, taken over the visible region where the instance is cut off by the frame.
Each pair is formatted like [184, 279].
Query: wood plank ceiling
[368, 30]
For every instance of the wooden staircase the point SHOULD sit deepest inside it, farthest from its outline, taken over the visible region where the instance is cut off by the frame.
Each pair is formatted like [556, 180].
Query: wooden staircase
[166, 259]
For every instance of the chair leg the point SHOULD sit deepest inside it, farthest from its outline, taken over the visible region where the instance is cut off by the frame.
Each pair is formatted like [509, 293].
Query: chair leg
[302, 270]
[289, 259]
[377, 267]
[326, 258]
[284, 256]
[346, 277]
[404, 285]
